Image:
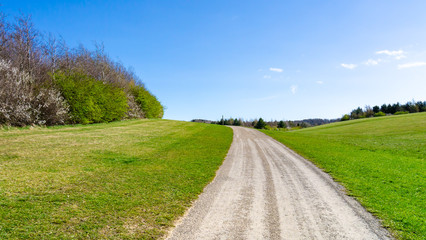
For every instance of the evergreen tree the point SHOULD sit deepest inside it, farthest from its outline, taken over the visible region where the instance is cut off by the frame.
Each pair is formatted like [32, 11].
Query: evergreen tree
[237, 122]
[260, 124]
[376, 109]
[222, 121]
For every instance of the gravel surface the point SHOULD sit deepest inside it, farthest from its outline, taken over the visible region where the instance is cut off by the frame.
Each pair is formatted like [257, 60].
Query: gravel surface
[263, 190]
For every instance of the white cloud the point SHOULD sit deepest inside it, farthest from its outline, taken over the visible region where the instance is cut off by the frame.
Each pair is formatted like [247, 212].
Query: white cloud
[412, 64]
[320, 82]
[348, 66]
[372, 62]
[267, 76]
[293, 89]
[396, 54]
[275, 69]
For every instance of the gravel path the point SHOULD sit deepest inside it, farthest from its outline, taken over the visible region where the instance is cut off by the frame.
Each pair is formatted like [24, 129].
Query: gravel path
[263, 190]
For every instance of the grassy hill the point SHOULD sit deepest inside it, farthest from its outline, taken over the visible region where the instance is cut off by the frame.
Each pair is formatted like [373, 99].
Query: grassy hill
[381, 161]
[122, 180]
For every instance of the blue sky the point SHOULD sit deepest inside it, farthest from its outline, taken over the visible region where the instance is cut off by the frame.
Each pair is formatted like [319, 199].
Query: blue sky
[273, 59]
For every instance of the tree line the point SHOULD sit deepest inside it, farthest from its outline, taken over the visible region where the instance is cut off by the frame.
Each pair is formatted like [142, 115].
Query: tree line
[262, 124]
[45, 82]
[376, 111]
[386, 109]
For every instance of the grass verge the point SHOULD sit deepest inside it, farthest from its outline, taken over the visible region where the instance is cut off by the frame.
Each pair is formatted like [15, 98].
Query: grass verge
[380, 161]
[122, 180]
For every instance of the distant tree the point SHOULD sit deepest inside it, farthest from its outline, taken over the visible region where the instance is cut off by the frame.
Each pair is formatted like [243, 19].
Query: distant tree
[357, 113]
[281, 124]
[291, 123]
[222, 121]
[411, 107]
[237, 122]
[398, 107]
[391, 108]
[376, 109]
[368, 111]
[230, 121]
[254, 123]
[345, 117]
[384, 108]
[260, 124]
[422, 106]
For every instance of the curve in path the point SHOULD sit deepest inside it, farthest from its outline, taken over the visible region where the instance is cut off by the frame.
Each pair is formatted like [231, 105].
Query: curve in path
[264, 190]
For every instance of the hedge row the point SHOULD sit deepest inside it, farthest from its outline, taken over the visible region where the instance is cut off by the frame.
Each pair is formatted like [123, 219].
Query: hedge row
[44, 82]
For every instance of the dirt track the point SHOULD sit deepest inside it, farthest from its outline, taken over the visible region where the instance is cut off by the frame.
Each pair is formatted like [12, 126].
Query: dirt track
[263, 190]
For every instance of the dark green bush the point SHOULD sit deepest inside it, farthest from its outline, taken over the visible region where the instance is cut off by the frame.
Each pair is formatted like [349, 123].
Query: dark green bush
[149, 104]
[90, 100]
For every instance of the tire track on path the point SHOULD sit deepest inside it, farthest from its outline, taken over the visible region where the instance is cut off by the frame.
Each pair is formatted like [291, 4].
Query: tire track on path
[264, 190]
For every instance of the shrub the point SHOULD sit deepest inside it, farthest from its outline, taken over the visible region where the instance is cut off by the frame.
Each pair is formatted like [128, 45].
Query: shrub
[401, 112]
[149, 104]
[380, 114]
[345, 117]
[50, 107]
[91, 101]
[22, 103]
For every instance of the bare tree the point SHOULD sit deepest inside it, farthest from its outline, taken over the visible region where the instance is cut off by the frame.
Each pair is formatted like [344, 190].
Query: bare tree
[51, 52]
[25, 41]
[4, 36]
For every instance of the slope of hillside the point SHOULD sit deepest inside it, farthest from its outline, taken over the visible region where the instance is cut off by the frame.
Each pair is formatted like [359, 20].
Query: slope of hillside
[121, 180]
[381, 161]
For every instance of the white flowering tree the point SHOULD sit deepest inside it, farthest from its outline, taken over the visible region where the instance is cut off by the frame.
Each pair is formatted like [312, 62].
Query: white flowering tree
[22, 104]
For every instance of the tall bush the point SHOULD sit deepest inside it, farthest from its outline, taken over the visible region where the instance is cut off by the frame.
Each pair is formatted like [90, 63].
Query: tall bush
[91, 101]
[149, 104]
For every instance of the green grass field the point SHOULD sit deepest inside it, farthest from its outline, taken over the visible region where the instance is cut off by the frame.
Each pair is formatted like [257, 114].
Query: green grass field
[381, 161]
[122, 180]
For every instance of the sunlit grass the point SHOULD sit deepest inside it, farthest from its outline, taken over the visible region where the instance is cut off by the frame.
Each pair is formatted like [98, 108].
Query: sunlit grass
[122, 180]
[381, 161]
